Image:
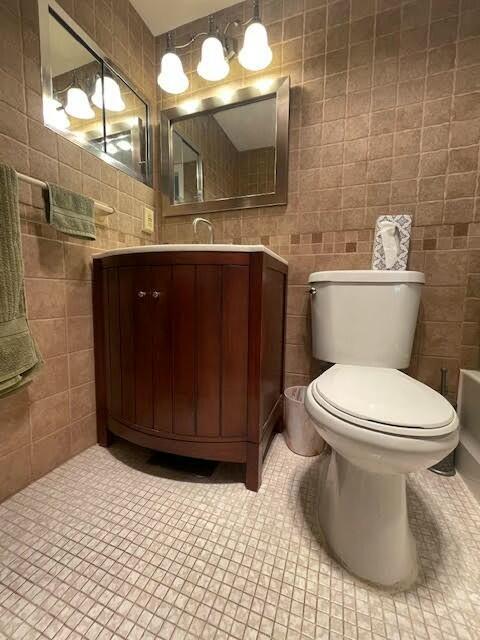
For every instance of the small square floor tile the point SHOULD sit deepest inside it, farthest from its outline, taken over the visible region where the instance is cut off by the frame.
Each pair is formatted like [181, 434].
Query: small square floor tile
[107, 548]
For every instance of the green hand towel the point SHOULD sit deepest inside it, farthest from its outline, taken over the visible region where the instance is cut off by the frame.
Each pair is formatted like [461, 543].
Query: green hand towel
[19, 356]
[70, 212]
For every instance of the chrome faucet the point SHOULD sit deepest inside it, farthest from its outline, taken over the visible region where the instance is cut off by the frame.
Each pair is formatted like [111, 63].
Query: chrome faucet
[210, 229]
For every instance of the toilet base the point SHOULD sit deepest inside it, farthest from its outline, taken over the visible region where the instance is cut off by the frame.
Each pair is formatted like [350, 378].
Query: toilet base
[363, 517]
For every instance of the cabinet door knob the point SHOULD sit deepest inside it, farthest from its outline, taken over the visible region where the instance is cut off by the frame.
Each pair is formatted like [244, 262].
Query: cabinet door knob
[156, 294]
[142, 294]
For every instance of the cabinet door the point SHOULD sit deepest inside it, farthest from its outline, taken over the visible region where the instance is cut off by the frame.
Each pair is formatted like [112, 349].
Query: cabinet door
[139, 345]
[177, 351]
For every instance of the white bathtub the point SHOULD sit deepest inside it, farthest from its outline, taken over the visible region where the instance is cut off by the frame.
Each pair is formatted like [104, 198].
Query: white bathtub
[467, 455]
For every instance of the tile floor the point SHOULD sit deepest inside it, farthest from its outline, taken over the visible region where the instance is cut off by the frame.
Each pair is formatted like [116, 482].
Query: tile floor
[108, 546]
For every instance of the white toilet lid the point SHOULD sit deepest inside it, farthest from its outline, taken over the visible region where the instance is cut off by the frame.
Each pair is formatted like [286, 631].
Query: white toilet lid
[385, 396]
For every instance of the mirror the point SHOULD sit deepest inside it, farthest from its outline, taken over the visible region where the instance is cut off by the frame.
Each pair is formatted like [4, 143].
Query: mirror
[187, 170]
[86, 100]
[227, 152]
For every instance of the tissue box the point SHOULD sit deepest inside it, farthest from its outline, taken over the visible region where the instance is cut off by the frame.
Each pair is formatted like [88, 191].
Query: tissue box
[404, 226]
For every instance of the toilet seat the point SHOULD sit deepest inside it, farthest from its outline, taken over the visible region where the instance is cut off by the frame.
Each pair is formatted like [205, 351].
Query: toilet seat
[383, 400]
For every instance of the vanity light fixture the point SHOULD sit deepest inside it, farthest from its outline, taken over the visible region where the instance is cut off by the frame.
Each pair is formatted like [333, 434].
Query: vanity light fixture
[111, 92]
[78, 105]
[172, 77]
[255, 53]
[217, 49]
[212, 65]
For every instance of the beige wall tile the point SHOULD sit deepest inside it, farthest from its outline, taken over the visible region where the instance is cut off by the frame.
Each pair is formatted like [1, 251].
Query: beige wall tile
[45, 298]
[50, 452]
[78, 262]
[82, 401]
[50, 335]
[14, 422]
[81, 367]
[15, 472]
[443, 303]
[79, 298]
[441, 338]
[49, 415]
[83, 433]
[42, 258]
[446, 268]
[52, 378]
[80, 333]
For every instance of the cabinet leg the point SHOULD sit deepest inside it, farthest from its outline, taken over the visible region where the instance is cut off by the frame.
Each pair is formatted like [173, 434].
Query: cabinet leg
[103, 434]
[253, 475]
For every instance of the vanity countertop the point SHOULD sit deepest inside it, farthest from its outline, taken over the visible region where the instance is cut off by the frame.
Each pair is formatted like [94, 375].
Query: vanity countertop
[155, 248]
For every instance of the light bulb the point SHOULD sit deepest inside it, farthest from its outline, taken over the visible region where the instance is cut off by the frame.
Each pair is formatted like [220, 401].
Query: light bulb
[124, 145]
[212, 65]
[111, 91]
[255, 53]
[172, 78]
[111, 148]
[78, 105]
[54, 114]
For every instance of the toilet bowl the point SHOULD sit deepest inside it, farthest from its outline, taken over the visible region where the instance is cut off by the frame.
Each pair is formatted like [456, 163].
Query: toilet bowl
[381, 425]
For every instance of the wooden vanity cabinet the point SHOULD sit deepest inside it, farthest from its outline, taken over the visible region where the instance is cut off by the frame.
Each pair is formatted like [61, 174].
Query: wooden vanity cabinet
[189, 352]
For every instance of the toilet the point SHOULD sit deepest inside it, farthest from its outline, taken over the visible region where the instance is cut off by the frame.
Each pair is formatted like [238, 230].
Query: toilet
[380, 423]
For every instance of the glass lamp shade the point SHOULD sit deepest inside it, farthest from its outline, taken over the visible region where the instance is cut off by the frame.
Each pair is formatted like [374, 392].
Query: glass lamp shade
[78, 105]
[172, 78]
[113, 96]
[55, 115]
[112, 148]
[255, 53]
[212, 65]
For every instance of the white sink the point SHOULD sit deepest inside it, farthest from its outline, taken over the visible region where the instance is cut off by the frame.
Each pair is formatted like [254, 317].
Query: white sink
[153, 248]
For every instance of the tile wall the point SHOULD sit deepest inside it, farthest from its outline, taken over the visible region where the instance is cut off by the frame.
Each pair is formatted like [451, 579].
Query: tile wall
[385, 117]
[53, 419]
[218, 156]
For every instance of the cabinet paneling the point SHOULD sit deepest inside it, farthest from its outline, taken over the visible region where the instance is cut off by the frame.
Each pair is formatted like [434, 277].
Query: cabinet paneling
[234, 338]
[209, 348]
[183, 309]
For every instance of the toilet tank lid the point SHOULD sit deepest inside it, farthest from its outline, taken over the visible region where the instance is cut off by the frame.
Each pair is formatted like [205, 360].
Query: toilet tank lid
[367, 275]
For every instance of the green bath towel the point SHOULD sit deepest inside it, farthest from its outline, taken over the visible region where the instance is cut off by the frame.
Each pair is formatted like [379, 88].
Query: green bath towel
[70, 212]
[19, 356]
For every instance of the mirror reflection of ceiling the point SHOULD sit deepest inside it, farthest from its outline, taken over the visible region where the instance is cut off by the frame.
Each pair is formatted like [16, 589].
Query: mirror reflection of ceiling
[66, 53]
[250, 126]
[164, 16]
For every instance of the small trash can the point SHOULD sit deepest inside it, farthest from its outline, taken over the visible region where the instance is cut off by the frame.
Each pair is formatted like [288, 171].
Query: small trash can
[300, 434]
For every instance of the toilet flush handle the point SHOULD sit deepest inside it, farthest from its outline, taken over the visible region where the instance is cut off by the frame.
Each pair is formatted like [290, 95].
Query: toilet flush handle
[312, 291]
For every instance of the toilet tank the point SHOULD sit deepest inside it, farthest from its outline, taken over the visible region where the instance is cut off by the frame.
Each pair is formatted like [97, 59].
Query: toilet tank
[365, 317]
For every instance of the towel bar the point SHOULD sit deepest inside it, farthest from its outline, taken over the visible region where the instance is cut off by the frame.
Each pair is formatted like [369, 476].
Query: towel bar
[105, 209]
